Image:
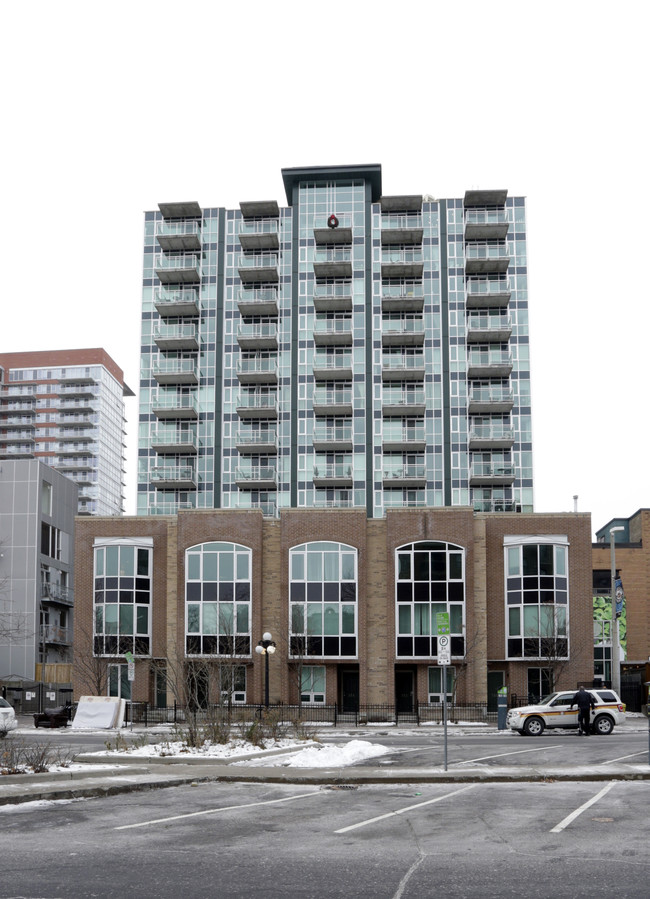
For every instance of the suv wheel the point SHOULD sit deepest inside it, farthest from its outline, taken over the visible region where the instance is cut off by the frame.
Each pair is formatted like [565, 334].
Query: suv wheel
[603, 725]
[534, 727]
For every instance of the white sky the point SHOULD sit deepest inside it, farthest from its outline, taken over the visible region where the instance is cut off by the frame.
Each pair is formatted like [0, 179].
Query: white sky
[109, 109]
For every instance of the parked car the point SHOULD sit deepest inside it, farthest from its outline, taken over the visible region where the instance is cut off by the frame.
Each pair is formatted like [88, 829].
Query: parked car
[555, 711]
[8, 720]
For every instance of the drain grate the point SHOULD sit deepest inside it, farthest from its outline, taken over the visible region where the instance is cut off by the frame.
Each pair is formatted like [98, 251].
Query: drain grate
[341, 787]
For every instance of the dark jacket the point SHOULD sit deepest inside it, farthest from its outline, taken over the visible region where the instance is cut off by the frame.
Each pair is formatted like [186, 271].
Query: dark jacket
[583, 699]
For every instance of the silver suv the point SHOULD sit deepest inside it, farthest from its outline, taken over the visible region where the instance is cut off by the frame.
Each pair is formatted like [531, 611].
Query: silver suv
[555, 711]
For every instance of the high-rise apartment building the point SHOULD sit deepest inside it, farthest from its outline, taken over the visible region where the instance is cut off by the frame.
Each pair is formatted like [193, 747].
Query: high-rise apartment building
[66, 408]
[350, 349]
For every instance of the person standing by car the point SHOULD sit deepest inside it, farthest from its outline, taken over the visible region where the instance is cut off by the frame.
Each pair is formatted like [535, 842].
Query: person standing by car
[585, 702]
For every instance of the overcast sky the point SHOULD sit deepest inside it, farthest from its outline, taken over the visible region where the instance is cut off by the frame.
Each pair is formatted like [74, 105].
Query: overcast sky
[109, 109]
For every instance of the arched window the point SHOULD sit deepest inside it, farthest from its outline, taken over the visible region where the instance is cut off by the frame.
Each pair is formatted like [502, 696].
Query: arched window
[429, 580]
[323, 599]
[218, 600]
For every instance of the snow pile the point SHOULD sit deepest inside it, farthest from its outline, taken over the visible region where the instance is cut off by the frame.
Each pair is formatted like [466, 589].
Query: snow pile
[327, 756]
[180, 750]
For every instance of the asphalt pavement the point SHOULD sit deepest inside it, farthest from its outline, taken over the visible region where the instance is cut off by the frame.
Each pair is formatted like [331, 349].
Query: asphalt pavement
[138, 773]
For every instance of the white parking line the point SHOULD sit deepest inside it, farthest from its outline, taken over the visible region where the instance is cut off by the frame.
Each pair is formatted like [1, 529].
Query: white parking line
[402, 811]
[565, 823]
[484, 758]
[215, 811]
[623, 757]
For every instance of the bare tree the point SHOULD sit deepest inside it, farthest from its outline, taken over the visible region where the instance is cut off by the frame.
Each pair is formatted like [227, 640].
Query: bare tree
[90, 670]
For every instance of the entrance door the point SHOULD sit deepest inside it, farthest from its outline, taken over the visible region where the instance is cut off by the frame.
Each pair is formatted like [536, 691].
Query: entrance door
[403, 690]
[496, 680]
[349, 691]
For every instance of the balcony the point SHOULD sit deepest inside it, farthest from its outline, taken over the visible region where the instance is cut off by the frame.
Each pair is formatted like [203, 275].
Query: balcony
[486, 293]
[256, 477]
[404, 331]
[402, 367]
[18, 421]
[333, 367]
[258, 370]
[405, 476]
[326, 501]
[55, 593]
[486, 473]
[490, 400]
[402, 203]
[483, 328]
[404, 500]
[178, 235]
[489, 223]
[402, 262]
[17, 436]
[174, 405]
[175, 441]
[335, 475]
[175, 371]
[259, 209]
[403, 403]
[404, 439]
[264, 440]
[332, 438]
[404, 229]
[177, 303]
[77, 376]
[333, 331]
[76, 422]
[171, 508]
[176, 337]
[78, 435]
[189, 209]
[268, 508]
[258, 336]
[258, 301]
[258, 267]
[54, 635]
[182, 269]
[17, 451]
[491, 437]
[489, 363]
[88, 463]
[257, 405]
[78, 405]
[327, 401]
[174, 477]
[496, 505]
[482, 198]
[483, 258]
[402, 297]
[24, 407]
[259, 234]
[333, 297]
[335, 229]
[333, 262]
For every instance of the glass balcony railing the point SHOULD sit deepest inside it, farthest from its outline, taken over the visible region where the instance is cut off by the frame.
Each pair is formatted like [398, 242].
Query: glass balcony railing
[178, 229]
[261, 437]
[403, 435]
[485, 286]
[480, 251]
[257, 331]
[492, 470]
[332, 254]
[403, 397]
[496, 505]
[491, 432]
[332, 434]
[397, 361]
[258, 260]
[341, 361]
[399, 255]
[174, 401]
[259, 226]
[261, 295]
[402, 326]
[256, 473]
[489, 322]
[332, 397]
[405, 471]
[402, 220]
[184, 261]
[257, 400]
[333, 326]
[175, 332]
[489, 357]
[173, 473]
[487, 216]
[333, 471]
[322, 291]
[491, 395]
[263, 366]
[174, 367]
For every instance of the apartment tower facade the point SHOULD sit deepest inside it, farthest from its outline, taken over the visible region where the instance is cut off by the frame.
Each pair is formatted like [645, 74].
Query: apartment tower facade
[347, 350]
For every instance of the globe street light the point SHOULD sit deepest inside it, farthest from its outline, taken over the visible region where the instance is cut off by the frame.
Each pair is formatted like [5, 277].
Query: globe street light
[266, 647]
[616, 665]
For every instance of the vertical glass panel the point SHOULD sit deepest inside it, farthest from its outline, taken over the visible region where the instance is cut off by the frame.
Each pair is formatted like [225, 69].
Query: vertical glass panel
[112, 554]
[143, 562]
[126, 619]
[209, 566]
[110, 613]
[404, 613]
[210, 618]
[513, 560]
[331, 566]
[113, 680]
[531, 621]
[142, 620]
[529, 554]
[421, 619]
[318, 679]
[438, 566]
[455, 566]
[242, 566]
[560, 560]
[226, 566]
[545, 559]
[546, 621]
[314, 619]
[331, 619]
[514, 622]
[456, 618]
[314, 566]
[297, 567]
[99, 562]
[560, 616]
[347, 567]
[126, 561]
[435, 680]
[421, 566]
[242, 618]
[347, 619]
[194, 618]
[193, 567]
[404, 566]
[226, 613]
[99, 619]
[297, 619]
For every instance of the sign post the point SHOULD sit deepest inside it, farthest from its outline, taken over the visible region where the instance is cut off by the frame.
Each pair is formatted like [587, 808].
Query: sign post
[444, 659]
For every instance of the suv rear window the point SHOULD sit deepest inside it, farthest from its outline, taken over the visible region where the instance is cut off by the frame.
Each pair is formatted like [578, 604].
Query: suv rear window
[606, 696]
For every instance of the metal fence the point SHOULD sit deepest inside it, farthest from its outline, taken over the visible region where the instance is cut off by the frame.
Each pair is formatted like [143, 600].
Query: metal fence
[422, 713]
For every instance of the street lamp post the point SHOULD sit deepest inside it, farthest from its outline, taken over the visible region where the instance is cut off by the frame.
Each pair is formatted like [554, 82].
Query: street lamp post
[616, 665]
[266, 647]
